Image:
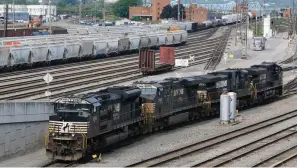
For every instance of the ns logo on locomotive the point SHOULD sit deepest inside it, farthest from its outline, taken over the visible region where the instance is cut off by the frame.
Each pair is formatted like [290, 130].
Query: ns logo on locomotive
[85, 124]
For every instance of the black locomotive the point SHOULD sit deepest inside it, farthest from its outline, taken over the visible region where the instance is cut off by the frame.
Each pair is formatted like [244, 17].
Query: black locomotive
[88, 123]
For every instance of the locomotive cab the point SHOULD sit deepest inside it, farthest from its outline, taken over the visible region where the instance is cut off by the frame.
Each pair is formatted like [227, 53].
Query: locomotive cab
[68, 128]
[80, 125]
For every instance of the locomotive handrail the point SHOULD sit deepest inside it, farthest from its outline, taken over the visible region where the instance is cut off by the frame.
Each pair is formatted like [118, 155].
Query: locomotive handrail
[85, 138]
[47, 136]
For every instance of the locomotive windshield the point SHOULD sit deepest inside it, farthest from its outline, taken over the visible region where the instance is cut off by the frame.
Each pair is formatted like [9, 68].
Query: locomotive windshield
[72, 111]
[148, 91]
[63, 107]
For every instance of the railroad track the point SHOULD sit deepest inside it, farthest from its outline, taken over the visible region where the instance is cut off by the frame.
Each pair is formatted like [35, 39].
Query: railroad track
[207, 145]
[59, 164]
[238, 153]
[279, 159]
[217, 55]
[13, 88]
[200, 35]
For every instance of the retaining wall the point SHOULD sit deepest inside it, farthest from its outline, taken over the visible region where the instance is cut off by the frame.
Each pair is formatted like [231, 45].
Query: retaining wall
[23, 125]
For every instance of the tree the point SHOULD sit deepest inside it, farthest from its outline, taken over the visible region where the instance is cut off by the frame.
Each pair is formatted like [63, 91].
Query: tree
[166, 12]
[175, 11]
[68, 2]
[121, 7]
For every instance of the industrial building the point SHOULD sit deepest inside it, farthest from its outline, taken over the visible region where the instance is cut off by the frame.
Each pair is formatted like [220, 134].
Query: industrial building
[196, 14]
[153, 12]
[22, 12]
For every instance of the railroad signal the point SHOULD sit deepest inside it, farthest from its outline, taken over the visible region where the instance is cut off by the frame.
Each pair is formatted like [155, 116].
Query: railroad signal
[48, 78]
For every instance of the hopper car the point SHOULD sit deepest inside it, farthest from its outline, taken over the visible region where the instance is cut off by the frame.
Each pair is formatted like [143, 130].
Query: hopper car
[30, 51]
[85, 124]
[148, 64]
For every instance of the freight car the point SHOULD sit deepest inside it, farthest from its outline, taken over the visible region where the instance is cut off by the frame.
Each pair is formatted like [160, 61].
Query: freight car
[33, 51]
[148, 64]
[87, 123]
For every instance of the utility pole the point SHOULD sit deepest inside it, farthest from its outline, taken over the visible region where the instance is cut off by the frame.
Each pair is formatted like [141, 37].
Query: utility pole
[104, 10]
[294, 19]
[13, 13]
[236, 11]
[6, 20]
[190, 10]
[80, 1]
[50, 17]
[178, 10]
[246, 34]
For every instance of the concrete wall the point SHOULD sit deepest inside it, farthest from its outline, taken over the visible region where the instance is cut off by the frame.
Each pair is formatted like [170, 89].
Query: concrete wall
[23, 125]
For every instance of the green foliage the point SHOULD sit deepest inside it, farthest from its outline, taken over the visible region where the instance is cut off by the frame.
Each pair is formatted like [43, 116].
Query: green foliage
[182, 11]
[20, 2]
[68, 2]
[166, 12]
[136, 18]
[121, 7]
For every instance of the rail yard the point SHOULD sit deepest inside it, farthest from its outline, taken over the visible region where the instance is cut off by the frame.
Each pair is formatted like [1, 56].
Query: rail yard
[263, 135]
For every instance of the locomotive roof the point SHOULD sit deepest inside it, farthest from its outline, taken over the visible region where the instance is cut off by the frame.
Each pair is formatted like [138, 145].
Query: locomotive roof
[210, 78]
[97, 99]
[255, 71]
[192, 80]
[112, 93]
[217, 74]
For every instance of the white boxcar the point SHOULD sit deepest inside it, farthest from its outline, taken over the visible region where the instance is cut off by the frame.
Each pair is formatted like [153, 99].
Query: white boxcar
[134, 42]
[56, 51]
[72, 49]
[39, 53]
[86, 47]
[169, 38]
[5, 57]
[123, 44]
[112, 46]
[144, 41]
[20, 55]
[227, 19]
[100, 47]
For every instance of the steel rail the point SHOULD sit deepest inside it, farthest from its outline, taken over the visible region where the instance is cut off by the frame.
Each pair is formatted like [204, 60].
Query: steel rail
[62, 86]
[209, 33]
[208, 143]
[231, 156]
[6, 94]
[133, 59]
[278, 159]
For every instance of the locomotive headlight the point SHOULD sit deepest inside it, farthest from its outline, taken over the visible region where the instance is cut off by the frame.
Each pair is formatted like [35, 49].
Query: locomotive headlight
[73, 135]
[53, 134]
